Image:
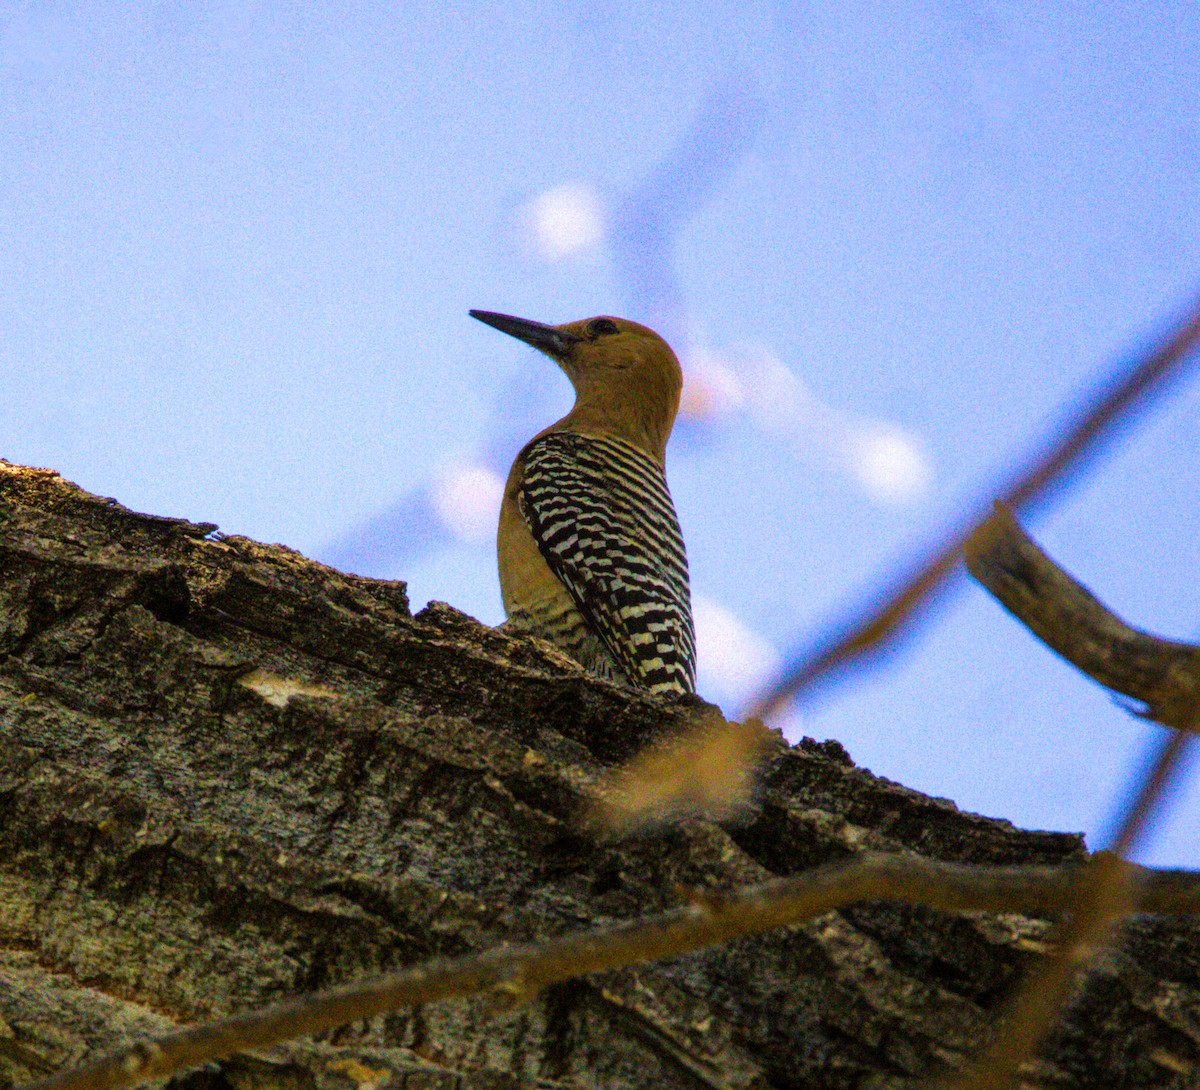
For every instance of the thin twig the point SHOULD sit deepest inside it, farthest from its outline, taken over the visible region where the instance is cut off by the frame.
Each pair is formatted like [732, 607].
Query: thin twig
[870, 628]
[710, 919]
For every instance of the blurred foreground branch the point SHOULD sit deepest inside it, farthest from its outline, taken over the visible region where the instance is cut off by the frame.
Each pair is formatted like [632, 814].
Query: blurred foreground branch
[710, 918]
[883, 619]
[708, 771]
[1162, 674]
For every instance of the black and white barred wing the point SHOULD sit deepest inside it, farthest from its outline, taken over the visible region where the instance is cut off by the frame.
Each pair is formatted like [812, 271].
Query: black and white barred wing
[602, 517]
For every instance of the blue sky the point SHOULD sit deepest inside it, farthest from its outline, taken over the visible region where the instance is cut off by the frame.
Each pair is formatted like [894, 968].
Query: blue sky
[238, 244]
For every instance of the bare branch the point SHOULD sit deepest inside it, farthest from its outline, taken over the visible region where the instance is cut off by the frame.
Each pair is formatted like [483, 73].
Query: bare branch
[1064, 615]
[709, 919]
[1164, 675]
[885, 617]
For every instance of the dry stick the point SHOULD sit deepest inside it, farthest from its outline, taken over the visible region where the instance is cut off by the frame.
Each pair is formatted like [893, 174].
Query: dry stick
[521, 971]
[1162, 674]
[885, 616]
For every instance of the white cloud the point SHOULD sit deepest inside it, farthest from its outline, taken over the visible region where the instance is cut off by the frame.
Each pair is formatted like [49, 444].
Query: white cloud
[883, 459]
[467, 500]
[562, 221]
[734, 661]
[889, 464]
[710, 386]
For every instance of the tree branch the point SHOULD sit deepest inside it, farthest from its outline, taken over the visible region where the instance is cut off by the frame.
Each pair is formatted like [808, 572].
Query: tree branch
[1164, 675]
[709, 919]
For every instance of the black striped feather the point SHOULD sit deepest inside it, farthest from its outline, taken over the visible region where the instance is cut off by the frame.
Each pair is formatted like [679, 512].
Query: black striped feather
[602, 517]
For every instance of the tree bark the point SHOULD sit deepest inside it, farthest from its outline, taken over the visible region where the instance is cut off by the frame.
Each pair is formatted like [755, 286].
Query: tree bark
[231, 775]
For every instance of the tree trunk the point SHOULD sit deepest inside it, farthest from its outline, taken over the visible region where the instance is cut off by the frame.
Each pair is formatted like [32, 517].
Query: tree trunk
[231, 775]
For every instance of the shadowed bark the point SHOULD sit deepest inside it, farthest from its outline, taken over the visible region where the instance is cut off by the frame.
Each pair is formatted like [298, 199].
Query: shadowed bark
[231, 774]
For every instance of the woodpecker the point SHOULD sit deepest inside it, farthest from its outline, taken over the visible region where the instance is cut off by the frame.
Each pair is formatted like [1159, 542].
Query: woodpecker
[590, 553]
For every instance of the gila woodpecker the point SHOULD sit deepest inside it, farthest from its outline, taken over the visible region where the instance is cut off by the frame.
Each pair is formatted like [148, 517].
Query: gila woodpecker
[591, 557]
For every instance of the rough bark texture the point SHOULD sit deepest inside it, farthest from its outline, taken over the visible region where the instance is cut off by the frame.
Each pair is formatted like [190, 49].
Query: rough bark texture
[230, 774]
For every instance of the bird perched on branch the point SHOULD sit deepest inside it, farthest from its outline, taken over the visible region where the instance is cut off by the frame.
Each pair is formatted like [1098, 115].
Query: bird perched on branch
[591, 557]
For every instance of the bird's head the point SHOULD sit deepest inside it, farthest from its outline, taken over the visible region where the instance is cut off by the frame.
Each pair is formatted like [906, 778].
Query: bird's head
[627, 380]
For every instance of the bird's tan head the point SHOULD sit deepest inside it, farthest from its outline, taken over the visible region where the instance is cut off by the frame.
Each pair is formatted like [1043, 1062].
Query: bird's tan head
[627, 380]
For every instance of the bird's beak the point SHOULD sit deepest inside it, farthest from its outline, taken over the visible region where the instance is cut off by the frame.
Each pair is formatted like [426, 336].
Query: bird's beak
[554, 342]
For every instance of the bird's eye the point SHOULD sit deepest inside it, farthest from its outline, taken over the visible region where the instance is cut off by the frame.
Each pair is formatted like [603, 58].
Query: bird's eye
[601, 326]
